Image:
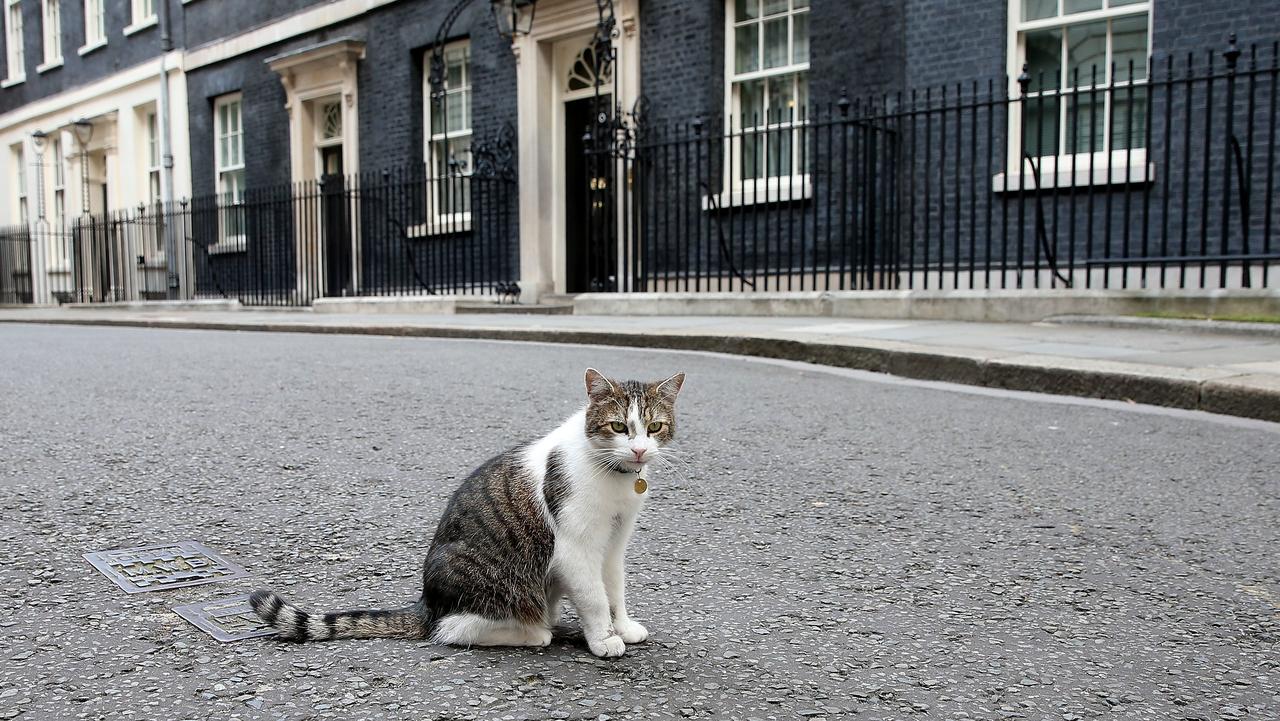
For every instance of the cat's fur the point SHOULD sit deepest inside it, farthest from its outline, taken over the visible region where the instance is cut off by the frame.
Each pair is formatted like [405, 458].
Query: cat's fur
[529, 527]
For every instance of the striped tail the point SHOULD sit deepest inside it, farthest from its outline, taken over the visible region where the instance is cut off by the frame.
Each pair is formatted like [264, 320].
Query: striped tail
[293, 624]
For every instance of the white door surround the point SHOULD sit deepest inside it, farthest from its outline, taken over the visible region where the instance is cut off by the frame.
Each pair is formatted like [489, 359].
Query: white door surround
[313, 77]
[313, 74]
[543, 61]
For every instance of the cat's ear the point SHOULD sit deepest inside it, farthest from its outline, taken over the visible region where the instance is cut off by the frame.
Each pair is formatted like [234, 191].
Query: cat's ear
[597, 384]
[670, 387]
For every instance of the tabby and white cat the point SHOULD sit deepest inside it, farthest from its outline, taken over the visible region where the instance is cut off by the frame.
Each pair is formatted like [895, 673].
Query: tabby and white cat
[529, 527]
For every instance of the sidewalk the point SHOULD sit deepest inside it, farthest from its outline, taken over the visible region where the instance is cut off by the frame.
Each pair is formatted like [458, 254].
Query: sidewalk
[1181, 366]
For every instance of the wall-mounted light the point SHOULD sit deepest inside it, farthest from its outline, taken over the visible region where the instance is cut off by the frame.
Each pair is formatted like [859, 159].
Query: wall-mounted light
[84, 131]
[513, 17]
[37, 140]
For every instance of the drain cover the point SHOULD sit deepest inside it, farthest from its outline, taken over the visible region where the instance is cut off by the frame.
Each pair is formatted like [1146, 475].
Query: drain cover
[164, 566]
[227, 619]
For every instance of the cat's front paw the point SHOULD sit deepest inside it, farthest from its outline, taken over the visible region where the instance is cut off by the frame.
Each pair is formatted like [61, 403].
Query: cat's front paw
[611, 647]
[630, 631]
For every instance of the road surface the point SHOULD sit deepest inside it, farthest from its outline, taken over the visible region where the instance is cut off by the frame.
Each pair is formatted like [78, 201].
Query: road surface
[836, 544]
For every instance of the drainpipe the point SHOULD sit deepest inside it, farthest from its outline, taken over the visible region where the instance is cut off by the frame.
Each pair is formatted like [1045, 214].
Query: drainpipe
[173, 285]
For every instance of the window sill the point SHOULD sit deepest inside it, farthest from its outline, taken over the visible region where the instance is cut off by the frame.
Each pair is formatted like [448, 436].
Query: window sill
[1066, 179]
[10, 82]
[51, 65]
[235, 244]
[85, 50]
[784, 190]
[441, 227]
[140, 26]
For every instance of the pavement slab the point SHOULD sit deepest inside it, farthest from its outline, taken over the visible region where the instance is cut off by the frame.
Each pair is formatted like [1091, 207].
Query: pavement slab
[831, 544]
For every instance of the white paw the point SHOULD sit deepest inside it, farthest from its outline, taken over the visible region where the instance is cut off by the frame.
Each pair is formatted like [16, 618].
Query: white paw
[539, 637]
[611, 647]
[630, 631]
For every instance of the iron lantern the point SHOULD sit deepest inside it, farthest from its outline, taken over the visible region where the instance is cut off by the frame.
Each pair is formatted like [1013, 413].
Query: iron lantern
[513, 17]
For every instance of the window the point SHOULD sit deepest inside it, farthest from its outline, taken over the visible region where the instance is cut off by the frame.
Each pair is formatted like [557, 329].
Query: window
[448, 151]
[143, 11]
[59, 248]
[229, 152]
[153, 158]
[144, 16]
[1074, 50]
[20, 167]
[768, 68]
[59, 184]
[52, 11]
[95, 25]
[13, 35]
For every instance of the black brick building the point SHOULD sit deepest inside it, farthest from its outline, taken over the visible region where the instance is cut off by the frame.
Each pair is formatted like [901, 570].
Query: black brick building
[340, 87]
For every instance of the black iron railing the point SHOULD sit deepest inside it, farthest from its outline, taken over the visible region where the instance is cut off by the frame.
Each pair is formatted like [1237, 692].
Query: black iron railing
[393, 232]
[1164, 181]
[15, 265]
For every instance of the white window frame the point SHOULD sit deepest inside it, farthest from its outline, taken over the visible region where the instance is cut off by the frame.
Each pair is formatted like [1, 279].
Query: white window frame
[59, 182]
[20, 167]
[95, 26]
[222, 172]
[151, 126]
[1065, 169]
[59, 252]
[51, 30]
[144, 16]
[15, 52]
[764, 188]
[439, 221]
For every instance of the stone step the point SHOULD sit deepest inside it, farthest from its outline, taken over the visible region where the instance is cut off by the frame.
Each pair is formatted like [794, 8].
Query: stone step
[514, 308]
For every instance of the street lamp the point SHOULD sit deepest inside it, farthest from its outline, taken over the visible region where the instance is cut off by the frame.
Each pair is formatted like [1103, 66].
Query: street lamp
[83, 129]
[513, 17]
[37, 141]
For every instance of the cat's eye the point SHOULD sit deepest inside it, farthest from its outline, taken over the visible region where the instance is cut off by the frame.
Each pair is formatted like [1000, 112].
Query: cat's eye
[656, 426]
[618, 427]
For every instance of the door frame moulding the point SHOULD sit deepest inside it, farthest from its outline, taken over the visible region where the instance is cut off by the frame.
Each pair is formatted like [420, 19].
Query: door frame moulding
[541, 171]
[309, 74]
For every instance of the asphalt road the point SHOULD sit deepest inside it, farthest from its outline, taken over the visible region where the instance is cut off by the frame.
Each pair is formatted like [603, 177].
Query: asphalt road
[836, 547]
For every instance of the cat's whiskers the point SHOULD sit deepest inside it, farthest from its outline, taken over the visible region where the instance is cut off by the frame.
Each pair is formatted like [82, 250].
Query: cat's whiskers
[677, 468]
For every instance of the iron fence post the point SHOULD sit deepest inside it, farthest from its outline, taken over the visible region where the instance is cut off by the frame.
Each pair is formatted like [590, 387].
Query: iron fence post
[1229, 146]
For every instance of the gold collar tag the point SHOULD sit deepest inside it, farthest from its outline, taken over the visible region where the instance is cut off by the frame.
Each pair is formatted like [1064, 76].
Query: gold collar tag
[641, 486]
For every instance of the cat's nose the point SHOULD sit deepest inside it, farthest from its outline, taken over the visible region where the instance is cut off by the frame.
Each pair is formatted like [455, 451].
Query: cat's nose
[639, 453]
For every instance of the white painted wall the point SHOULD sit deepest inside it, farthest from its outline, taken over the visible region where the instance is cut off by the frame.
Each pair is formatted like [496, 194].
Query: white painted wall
[115, 104]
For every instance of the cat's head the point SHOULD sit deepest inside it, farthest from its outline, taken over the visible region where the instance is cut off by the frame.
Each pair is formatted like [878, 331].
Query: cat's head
[629, 422]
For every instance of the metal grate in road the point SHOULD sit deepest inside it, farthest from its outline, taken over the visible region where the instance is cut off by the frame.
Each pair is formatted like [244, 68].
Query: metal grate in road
[164, 566]
[227, 619]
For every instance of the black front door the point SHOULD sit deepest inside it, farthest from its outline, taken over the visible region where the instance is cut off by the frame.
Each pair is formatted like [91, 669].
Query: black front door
[337, 228]
[589, 248]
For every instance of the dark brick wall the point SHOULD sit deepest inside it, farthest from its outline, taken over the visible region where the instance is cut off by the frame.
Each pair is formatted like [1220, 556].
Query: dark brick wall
[857, 48]
[390, 91]
[950, 42]
[682, 58]
[682, 63]
[390, 81]
[208, 21]
[936, 204]
[1183, 26]
[121, 51]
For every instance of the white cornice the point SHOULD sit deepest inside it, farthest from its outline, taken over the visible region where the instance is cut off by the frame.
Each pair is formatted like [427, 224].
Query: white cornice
[67, 100]
[280, 30]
